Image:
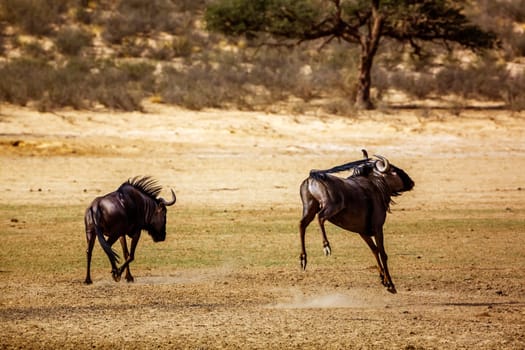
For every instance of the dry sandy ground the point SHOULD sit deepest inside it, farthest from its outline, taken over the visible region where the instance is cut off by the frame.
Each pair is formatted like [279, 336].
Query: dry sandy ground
[227, 159]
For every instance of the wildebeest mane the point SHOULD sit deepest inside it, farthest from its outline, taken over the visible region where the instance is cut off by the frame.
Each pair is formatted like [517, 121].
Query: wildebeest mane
[145, 184]
[381, 187]
[362, 170]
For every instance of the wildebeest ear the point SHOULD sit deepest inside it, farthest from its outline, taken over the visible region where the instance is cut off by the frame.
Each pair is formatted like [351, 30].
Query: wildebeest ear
[160, 207]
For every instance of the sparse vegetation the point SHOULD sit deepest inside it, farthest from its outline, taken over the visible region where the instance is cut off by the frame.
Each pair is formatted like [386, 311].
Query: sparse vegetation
[36, 17]
[71, 40]
[78, 83]
[134, 17]
[55, 54]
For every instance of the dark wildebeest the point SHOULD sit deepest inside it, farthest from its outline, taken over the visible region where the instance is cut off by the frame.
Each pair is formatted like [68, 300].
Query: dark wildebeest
[133, 207]
[358, 203]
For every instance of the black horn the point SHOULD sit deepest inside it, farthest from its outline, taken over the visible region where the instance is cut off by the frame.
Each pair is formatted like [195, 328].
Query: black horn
[382, 165]
[174, 199]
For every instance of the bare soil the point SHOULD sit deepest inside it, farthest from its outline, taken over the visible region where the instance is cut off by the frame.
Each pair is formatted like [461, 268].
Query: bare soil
[457, 288]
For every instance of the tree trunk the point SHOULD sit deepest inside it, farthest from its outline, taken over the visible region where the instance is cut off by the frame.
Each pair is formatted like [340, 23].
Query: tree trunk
[362, 98]
[369, 44]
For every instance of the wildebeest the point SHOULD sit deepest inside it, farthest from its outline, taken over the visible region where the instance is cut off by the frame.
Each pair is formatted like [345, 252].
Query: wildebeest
[133, 207]
[358, 203]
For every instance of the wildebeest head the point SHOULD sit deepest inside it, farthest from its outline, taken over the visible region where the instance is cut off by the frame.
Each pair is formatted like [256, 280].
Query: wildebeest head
[157, 223]
[397, 179]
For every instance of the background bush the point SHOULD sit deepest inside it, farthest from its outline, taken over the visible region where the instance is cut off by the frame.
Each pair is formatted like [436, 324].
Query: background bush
[81, 54]
[33, 16]
[71, 40]
[132, 17]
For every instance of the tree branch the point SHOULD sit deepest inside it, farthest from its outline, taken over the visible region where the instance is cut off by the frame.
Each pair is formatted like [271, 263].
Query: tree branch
[326, 42]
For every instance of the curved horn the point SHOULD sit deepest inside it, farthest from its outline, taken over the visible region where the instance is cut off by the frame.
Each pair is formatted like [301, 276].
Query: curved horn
[365, 153]
[170, 202]
[383, 164]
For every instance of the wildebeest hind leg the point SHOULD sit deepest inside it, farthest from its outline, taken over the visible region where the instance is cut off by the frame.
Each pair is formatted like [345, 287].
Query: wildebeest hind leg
[129, 277]
[90, 238]
[310, 209]
[309, 212]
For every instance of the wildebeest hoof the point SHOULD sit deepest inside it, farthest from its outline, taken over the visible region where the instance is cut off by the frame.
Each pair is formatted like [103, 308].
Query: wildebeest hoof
[116, 276]
[327, 250]
[88, 281]
[303, 262]
[130, 279]
[392, 289]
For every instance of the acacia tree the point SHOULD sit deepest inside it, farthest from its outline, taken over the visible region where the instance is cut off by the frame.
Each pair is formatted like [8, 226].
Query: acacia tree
[358, 22]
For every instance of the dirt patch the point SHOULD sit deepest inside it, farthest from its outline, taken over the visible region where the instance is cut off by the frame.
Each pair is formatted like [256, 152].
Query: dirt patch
[459, 277]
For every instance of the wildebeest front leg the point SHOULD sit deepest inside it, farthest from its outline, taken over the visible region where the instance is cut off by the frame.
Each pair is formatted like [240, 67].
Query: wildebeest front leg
[326, 245]
[327, 212]
[381, 258]
[375, 251]
[124, 245]
[113, 257]
[131, 256]
[387, 280]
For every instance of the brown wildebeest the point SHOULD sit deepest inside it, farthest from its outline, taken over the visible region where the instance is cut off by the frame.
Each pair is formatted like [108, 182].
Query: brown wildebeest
[358, 203]
[133, 207]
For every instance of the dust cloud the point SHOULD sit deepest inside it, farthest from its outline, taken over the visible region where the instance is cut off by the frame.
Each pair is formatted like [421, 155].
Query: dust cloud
[350, 299]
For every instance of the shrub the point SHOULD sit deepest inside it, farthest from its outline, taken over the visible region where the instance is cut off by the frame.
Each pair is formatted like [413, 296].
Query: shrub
[131, 47]
[117, 28]
[35, 17]
[195, 89]
[2, 48]
[341, 106]
[138, 16]
[512, 93]
[518, 44]
[23, 80]
[79, 84]
[483, 81]
[501, 16]
[34, 49]
[112, 87]
[83, 15]
[71, 40]
[140, 73]
[163, 52]
[419, 85]
[182, 46]
[190, 5]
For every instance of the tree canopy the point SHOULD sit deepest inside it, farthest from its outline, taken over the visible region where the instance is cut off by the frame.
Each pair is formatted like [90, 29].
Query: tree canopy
[358, 22]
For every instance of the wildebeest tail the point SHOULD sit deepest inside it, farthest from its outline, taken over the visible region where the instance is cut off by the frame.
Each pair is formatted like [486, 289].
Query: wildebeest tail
[103, 243]
[317, 174]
